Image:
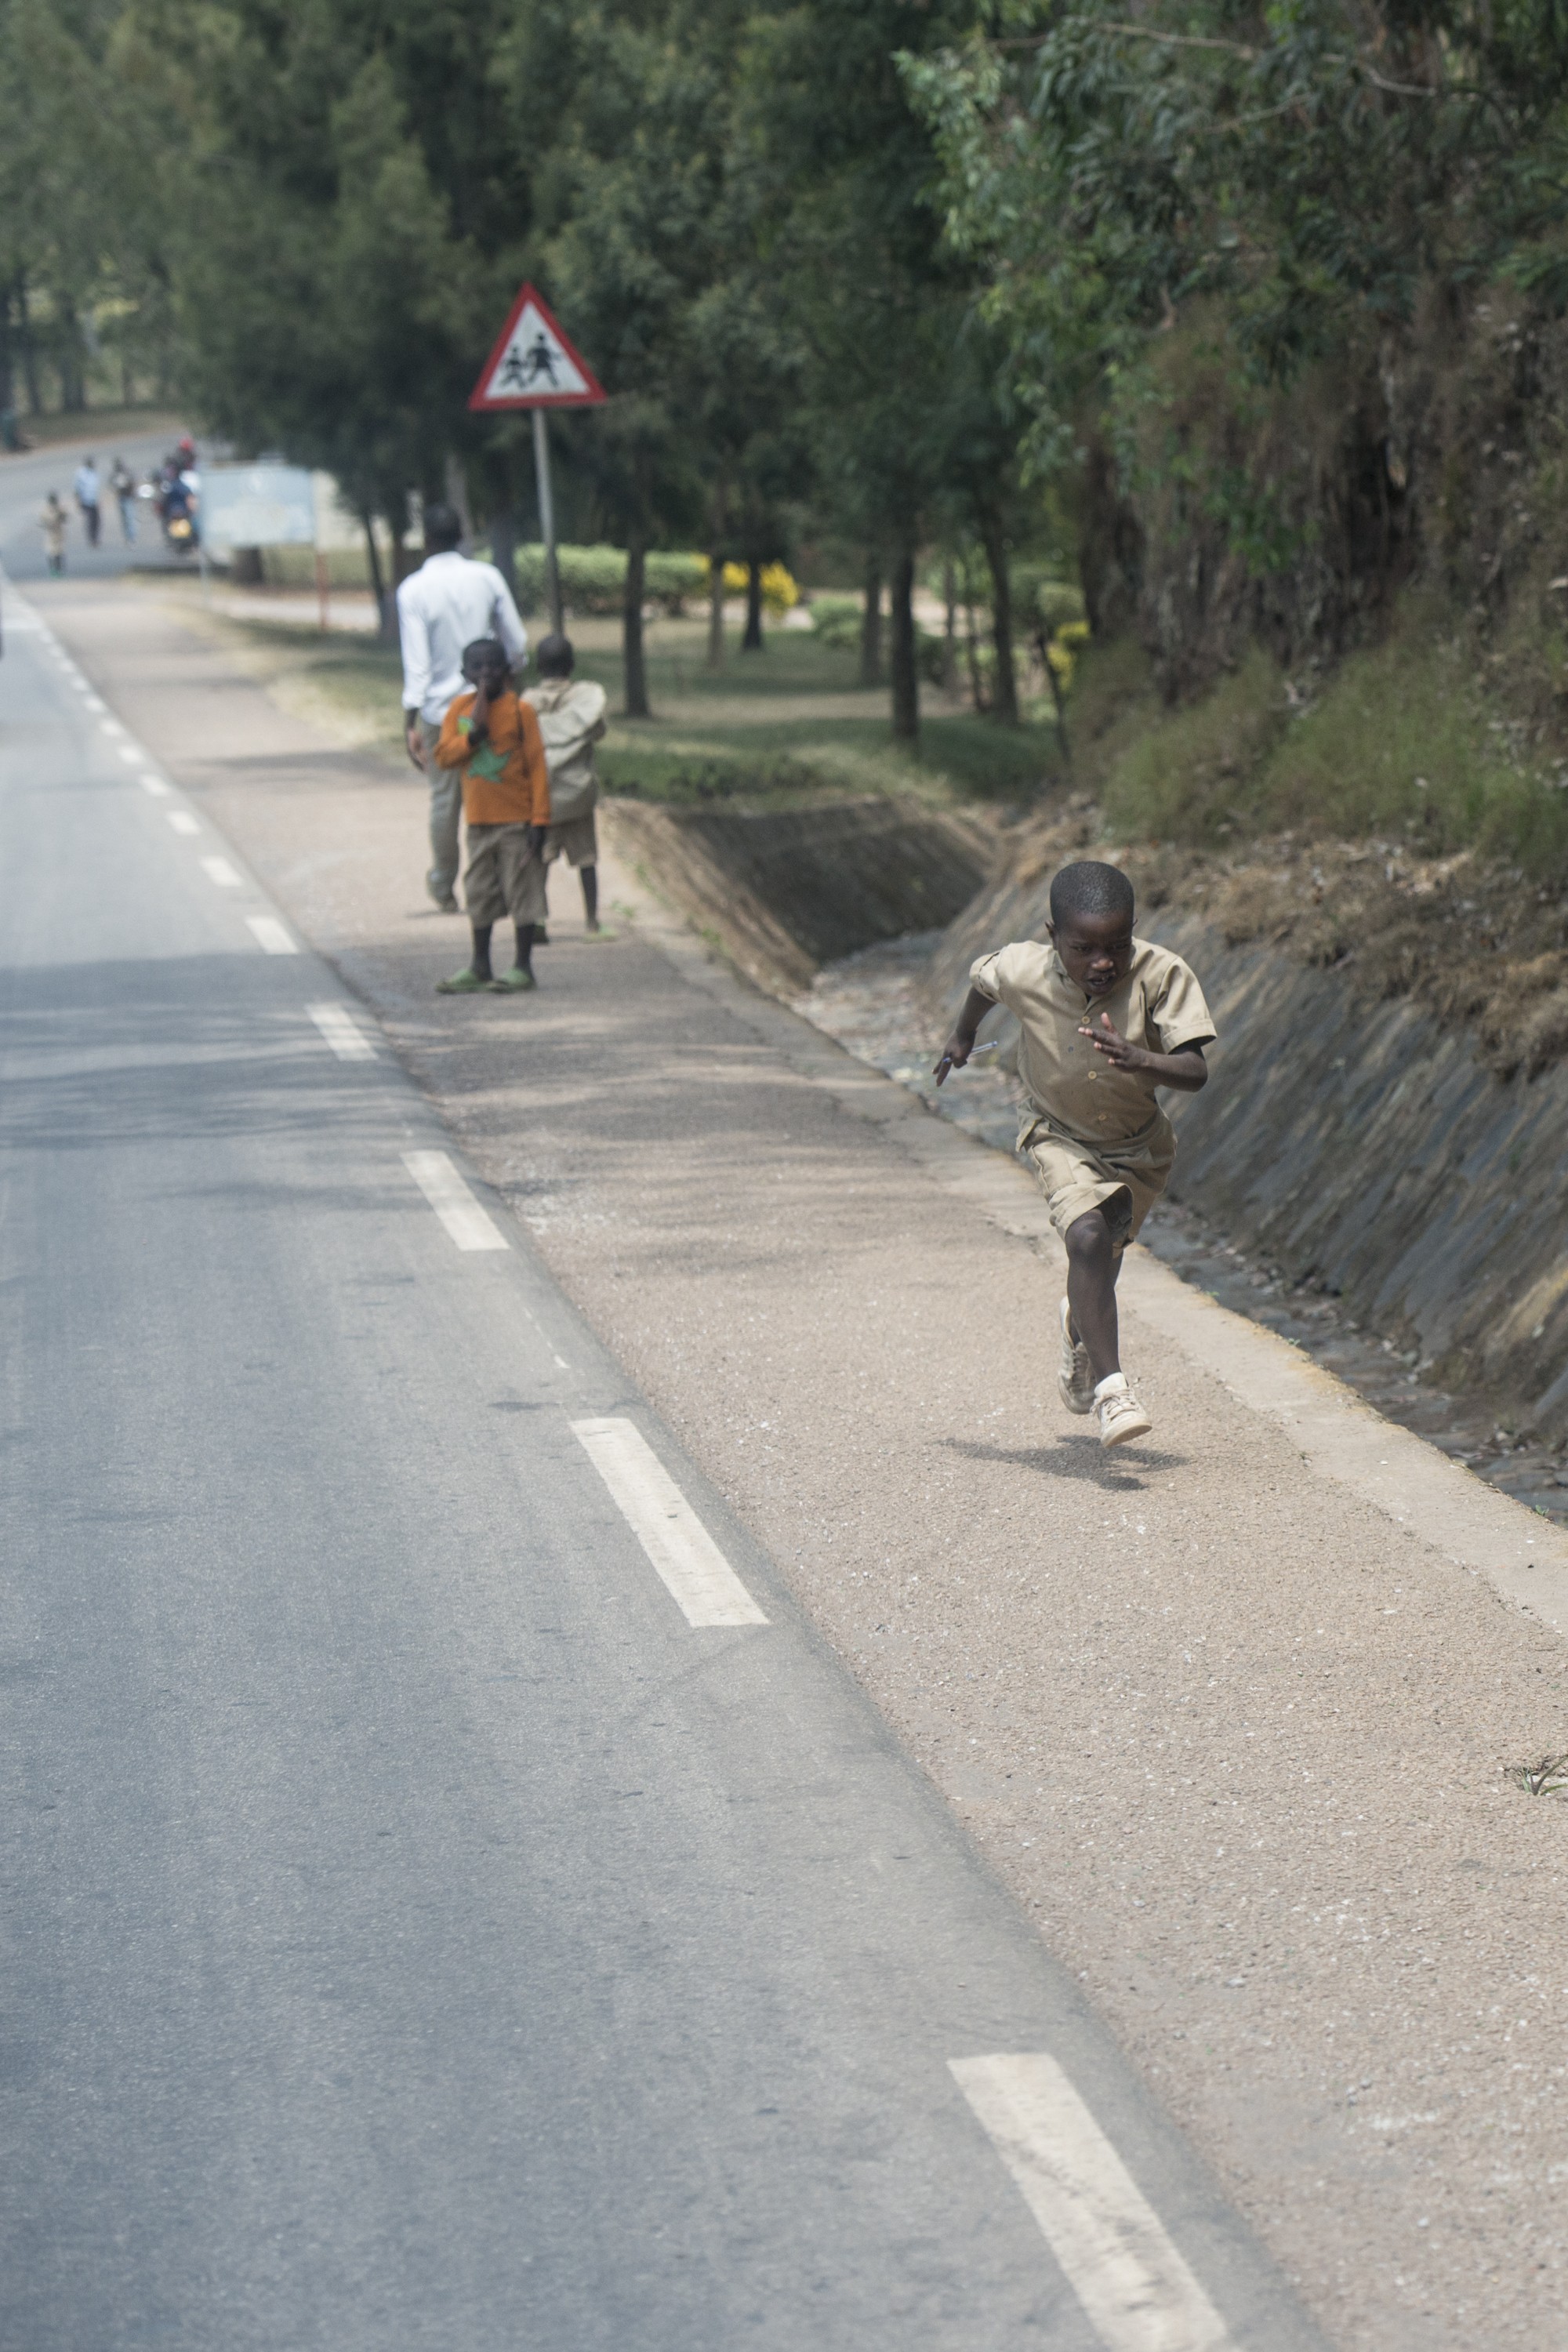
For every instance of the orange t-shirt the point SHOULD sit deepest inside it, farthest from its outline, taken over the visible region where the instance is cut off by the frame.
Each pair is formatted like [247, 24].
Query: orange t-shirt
[507, 780]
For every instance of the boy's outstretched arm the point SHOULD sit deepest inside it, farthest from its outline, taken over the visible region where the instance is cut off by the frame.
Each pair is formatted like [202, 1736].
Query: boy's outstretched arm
[1186, 1071]
[960, 1044]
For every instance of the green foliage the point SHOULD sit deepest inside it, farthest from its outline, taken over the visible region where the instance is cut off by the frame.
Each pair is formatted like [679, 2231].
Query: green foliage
[1401, 741]
[837, 620]
[593, 579]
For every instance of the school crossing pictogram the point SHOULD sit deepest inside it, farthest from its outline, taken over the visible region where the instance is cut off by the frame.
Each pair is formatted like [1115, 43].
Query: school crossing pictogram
[533, 365]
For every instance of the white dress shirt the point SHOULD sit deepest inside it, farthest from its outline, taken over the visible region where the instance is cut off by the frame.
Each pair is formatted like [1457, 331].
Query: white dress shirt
[87, 485]
[441, 608]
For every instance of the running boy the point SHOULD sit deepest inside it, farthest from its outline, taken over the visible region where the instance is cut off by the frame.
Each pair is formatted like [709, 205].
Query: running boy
[1104, 1019]
[494, 738]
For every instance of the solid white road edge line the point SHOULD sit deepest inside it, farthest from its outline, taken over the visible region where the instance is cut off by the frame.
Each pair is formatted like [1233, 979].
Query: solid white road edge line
[182, 821]
[693, 1569]
[341, 1032]
[219, 870]
[464, 1221]
[1114, 2250]
[270, 935]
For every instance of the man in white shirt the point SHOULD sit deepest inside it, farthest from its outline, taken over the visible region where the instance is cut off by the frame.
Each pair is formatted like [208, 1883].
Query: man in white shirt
[441, 608]
[88, 492]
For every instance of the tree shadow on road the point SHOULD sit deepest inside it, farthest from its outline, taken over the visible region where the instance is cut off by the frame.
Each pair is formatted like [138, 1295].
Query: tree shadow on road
[1082, 1457]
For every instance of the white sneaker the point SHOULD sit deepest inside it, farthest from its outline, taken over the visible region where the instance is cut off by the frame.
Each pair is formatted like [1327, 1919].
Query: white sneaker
[1075, 1379]
[1121, 1416]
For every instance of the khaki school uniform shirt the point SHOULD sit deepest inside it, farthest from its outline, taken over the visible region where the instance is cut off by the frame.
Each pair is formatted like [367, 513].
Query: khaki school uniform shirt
[570, 720]
[1158, 1005]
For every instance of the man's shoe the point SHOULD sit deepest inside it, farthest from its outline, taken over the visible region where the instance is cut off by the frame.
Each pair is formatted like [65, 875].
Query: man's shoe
[467, 982]
[1076, 1378]
[1122, 1417]
[514, 982]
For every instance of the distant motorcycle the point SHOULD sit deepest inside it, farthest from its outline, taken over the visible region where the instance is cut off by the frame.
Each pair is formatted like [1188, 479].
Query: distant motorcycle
[177, 507]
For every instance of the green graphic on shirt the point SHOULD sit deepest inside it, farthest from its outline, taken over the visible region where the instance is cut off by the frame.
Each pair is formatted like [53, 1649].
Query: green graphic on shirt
[487, 763]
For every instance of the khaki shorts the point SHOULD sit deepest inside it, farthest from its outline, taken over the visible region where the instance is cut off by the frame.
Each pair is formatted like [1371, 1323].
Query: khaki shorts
[1075, 1178]
[502, 877]
[576, 838]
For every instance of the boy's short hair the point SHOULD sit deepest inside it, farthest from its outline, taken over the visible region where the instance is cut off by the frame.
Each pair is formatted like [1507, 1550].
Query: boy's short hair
[1091, 888]
[443, 530]
[482, 654]
[554, 656]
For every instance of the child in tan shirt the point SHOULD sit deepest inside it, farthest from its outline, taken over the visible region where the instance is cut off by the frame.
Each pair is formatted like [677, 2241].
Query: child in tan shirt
[1105, 1019]
[493, 735]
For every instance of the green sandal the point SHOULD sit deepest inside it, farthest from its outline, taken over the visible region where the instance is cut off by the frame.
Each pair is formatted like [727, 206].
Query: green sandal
[465, 983]
[514, 982]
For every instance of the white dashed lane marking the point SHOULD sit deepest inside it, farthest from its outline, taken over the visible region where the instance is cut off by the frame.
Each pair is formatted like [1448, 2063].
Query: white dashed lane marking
[219, 870]
[270, 935]
[466, 1222]
[693, 1569]
[1115, 2253]
[182, 821]
[341, 1032]
[153, 784]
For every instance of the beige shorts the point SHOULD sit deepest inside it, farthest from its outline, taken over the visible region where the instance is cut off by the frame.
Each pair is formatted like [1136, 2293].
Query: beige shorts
[502, 877]
[576, 838]
[1075, 1179]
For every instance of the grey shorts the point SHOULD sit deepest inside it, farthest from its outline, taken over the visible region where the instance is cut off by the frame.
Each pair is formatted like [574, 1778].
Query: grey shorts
[503, 876]
[576, 838]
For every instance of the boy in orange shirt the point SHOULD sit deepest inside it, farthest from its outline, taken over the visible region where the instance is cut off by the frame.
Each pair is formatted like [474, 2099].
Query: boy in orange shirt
[493, 735]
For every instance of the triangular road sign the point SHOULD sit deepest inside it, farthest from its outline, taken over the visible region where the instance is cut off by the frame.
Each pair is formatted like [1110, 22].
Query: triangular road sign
[533, 365]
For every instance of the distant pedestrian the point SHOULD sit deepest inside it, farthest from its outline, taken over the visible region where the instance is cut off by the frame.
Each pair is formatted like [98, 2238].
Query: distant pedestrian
[123, 482]
[1105, 1019]
[490, 743]
[89, 490]
[448, 603]
[570, 720]
[52, 522]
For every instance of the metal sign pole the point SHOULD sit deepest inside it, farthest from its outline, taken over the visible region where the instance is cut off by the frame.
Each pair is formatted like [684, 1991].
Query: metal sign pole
[547, 517]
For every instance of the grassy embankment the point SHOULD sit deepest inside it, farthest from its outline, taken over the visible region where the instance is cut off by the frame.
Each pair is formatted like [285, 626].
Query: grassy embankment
[1434, 743]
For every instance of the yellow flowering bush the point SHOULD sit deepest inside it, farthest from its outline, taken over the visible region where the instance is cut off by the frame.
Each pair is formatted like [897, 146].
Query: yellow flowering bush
[779, 589]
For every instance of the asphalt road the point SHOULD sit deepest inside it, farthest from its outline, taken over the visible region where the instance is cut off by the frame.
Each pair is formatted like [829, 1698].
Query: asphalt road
[420, 1932]
[26, 480]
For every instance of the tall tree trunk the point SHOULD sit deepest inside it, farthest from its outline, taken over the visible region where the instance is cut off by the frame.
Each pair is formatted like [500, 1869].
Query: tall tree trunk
[8, 386]
[972, 654]
[1005, 705]
[385, 601]
[949, 631]
[872, 624]
[29, 349]
[633, 663]
[906, 674]
[502, 529]
[716, 609]
[752, 642]
[718, 519]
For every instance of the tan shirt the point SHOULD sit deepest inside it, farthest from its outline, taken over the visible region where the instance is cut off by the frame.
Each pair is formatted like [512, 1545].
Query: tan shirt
[570, 720]
[1158, 1005]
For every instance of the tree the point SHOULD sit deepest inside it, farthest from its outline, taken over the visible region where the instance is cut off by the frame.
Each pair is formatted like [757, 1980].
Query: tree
[838, 164]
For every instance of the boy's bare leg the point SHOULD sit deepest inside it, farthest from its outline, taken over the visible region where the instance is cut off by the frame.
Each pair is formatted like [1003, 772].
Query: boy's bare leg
[524, 932]
[591, 896]
[480, 961]
[1093, 1266]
